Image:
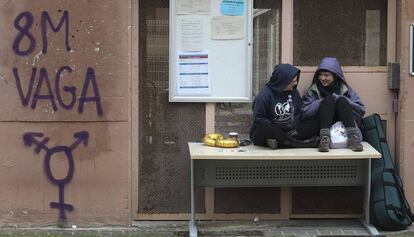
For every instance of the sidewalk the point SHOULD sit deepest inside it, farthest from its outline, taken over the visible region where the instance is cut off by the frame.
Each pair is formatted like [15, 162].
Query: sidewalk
[214, 228]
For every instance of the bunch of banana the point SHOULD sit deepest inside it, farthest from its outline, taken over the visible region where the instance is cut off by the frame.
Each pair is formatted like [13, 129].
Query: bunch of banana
[227, 143]
[216, 139]
[210, 139]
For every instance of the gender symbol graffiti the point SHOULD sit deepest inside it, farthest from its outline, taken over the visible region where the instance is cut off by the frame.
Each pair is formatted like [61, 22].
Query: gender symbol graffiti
[81, 137]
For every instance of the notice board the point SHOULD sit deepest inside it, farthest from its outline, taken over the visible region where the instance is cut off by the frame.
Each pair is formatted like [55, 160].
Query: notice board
[210, 57]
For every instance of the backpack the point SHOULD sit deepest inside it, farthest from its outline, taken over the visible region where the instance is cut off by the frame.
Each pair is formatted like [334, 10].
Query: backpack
[389, 208]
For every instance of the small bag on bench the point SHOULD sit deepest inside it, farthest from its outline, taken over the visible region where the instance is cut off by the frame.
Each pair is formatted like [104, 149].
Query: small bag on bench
[389, 207]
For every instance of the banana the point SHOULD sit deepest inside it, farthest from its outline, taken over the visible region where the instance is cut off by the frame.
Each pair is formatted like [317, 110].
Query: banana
[215, 136]
[210, 139]
[227, 143]
[216, 139]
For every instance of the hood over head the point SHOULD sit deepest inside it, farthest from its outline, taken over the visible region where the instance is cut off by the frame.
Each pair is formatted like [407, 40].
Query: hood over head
[282, 76]
[330, 64]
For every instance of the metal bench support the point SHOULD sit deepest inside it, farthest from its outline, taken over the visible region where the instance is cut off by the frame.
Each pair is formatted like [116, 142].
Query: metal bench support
[281, 173]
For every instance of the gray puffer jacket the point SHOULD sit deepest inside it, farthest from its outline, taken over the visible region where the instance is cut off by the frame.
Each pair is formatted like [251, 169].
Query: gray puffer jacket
[312, 98]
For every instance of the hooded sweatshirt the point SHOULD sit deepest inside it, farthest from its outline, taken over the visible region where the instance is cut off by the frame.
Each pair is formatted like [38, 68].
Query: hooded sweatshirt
[313, 97]
[273, 105]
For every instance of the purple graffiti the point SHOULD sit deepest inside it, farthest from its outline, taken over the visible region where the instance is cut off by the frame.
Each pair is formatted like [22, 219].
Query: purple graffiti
[57, 95]
[49, 96]
[45, 83]
[24, 31]
[30, 139]
[90, 78]
[24, 98]
[70, 89]
[46, 19]
[24, 22]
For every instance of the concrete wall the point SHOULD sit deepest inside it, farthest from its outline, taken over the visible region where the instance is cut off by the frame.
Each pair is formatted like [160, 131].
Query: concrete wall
[406, 100]
[90, 100]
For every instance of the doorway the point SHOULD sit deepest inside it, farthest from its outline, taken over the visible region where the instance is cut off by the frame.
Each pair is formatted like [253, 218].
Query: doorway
[360, 33]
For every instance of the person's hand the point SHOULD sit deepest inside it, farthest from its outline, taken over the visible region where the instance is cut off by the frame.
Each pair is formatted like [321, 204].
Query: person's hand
[336, 96]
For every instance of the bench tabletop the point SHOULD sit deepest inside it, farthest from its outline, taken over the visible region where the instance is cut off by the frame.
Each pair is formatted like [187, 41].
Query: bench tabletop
[198, 151]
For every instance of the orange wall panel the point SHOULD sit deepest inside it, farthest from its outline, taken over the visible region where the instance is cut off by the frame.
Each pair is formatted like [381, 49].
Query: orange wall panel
[94, 55]
[406, 100]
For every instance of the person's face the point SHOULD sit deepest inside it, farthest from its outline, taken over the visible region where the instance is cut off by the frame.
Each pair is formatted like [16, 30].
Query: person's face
[292, 84]
[326, 78]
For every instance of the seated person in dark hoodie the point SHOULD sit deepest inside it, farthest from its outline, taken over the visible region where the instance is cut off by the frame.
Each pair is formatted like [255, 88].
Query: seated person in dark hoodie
[277, 113]
[330, 99]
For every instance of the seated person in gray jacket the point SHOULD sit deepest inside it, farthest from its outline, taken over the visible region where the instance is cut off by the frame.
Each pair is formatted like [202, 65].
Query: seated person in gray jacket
[330, 99]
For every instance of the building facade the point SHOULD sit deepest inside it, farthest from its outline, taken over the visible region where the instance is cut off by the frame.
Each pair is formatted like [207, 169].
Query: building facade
[88, 136]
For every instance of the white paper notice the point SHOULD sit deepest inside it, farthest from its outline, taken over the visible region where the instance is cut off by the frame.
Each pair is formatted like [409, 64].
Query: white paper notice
[191, 29]
[227, 27]
[193, 7]
[193, 73]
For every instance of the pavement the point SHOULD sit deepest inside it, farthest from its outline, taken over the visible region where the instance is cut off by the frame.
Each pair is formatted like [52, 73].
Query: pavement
[214, 228]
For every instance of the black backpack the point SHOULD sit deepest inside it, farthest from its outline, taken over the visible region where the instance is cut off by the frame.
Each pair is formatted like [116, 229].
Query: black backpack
[389, 207]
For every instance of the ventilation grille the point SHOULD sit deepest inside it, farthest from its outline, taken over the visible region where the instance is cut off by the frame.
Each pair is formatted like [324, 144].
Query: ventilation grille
[286, 172]
[278, 173]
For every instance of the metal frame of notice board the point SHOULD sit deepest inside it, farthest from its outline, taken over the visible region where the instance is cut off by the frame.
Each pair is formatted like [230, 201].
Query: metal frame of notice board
[207, 63]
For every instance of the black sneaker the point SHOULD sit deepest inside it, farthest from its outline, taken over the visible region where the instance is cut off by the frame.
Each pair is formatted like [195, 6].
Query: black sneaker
[324, 144]
[272, 143]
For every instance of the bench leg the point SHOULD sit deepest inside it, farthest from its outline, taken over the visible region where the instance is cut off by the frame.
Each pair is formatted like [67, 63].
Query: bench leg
[192, 225]
[367, 195]
[192, 229]
[372, 231]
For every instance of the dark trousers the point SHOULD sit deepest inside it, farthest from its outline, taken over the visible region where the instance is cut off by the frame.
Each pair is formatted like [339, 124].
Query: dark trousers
[305, 130]
[332, 110]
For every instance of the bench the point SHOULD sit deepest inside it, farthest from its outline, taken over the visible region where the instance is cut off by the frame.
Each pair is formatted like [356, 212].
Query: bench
[254, 166]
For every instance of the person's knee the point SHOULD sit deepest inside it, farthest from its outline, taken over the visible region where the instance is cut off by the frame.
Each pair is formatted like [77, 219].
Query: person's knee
[267, 131]
[329, 100]
[341, 101]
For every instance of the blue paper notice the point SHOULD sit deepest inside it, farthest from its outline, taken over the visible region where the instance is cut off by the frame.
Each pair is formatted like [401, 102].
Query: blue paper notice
[232, 7]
